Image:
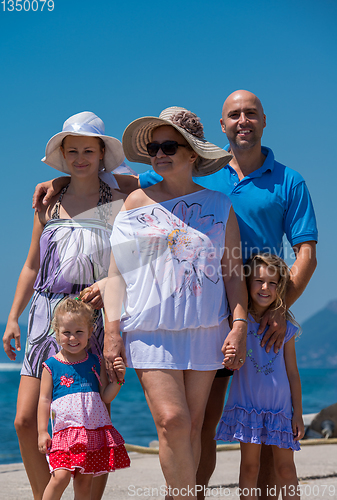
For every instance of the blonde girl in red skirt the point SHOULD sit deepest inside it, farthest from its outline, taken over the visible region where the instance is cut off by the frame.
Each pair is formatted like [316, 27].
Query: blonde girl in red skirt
[74, 388]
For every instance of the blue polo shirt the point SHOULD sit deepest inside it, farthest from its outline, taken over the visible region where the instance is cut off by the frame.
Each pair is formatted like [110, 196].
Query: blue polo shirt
[270, 202]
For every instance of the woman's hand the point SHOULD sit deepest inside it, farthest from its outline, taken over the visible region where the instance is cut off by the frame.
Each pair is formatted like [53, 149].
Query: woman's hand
[24, 291]
[235, 343]
[93, 295]
[12, 332]
[113, 348]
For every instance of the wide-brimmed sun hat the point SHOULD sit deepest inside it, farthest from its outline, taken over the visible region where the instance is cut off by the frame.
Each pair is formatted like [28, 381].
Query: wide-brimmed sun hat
[88, 124]
[139, 133]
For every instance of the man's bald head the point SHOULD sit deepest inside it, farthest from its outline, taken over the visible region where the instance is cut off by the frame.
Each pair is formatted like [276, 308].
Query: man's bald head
[242, 96]
[243, 120]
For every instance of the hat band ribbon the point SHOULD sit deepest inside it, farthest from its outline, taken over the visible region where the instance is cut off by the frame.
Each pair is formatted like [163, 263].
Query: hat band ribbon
[82, 127]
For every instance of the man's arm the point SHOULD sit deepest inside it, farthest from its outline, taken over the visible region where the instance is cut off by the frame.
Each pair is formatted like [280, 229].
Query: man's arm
[300, 274]
[46, 190]
[127, 183]
[301, 271]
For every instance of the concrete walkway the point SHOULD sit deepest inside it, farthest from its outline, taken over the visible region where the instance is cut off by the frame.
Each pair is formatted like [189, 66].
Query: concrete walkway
[316, 468]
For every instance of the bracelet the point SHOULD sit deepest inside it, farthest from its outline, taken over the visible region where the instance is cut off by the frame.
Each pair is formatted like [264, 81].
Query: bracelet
[240, 319]
[121, 382]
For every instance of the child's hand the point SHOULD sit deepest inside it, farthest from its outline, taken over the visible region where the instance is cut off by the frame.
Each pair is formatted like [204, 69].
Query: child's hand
[298, 427]
[235, 342]
[119, 367]
[44, 442]
[109, 390]
[229, 352]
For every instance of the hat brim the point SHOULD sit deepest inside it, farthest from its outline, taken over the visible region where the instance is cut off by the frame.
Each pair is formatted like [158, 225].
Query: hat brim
[139, 133]
[113, 151]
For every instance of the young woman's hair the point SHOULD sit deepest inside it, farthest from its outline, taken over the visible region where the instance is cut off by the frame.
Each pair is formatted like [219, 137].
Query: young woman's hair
[73, 306]
[276, 264]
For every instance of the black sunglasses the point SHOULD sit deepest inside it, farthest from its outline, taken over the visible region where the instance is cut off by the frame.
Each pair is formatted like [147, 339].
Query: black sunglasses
[168, 147]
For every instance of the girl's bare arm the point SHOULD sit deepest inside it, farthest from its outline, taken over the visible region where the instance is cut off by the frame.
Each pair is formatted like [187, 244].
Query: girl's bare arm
[43, 411]
[295, 388]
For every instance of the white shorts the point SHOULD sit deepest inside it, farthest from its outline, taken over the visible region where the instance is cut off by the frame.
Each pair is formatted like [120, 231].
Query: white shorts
[191, 349]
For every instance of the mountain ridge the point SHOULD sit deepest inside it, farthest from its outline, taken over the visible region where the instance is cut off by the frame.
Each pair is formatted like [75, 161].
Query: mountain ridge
[317, 346]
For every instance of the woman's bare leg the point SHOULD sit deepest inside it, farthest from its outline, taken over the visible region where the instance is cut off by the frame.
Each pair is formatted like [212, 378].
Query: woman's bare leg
[177, 402]
[26, 428]
[197, 388]
[249, 470]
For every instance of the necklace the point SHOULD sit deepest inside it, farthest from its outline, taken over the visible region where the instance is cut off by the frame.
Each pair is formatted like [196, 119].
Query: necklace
[66, 360]
[256, 317]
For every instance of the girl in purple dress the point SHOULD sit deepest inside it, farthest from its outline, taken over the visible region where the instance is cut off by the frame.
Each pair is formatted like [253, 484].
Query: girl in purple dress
[264, 403]
[69, 251]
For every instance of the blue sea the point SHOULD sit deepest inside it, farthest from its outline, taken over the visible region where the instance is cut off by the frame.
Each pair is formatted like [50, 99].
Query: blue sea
[130, 414]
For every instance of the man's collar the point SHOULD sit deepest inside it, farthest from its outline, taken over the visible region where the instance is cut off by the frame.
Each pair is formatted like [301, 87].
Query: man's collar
[268, 163]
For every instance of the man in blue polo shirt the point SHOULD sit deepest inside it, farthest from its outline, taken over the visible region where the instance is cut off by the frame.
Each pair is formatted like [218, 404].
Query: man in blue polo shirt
[270, 201]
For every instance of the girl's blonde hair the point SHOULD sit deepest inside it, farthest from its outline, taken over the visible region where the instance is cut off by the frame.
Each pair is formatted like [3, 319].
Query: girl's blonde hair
[278, 265]
[73, 306]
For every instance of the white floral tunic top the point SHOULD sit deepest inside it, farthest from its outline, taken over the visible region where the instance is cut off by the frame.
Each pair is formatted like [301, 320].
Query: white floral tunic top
[170, 255]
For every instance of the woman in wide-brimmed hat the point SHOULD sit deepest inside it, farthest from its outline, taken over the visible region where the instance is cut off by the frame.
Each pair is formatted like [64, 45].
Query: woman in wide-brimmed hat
[175, 247]
[69, 251]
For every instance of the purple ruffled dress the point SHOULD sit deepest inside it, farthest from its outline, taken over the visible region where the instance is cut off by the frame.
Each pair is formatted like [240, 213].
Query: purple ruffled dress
[259, 406]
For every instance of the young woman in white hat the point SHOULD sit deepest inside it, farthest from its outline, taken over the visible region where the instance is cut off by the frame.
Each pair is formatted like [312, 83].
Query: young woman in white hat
[176, 248]
[69, 251]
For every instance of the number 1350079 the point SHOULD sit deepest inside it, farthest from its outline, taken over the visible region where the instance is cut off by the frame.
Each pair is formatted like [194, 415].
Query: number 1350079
[27, 5]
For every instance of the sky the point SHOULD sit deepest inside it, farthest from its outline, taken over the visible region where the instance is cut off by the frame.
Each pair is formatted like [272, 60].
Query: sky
[124, 60]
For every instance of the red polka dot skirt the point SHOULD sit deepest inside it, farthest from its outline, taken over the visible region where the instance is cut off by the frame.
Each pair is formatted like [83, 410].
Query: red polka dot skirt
[94, 451]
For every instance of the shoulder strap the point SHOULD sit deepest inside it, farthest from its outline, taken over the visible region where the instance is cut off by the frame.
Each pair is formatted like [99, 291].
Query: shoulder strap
[56, 212]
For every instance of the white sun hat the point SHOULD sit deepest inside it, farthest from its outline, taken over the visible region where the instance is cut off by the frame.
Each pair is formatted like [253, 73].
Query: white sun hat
[139, 133]
[88, 124]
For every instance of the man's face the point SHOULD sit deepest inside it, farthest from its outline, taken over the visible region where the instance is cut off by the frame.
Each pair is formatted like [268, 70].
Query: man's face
[243, 120]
